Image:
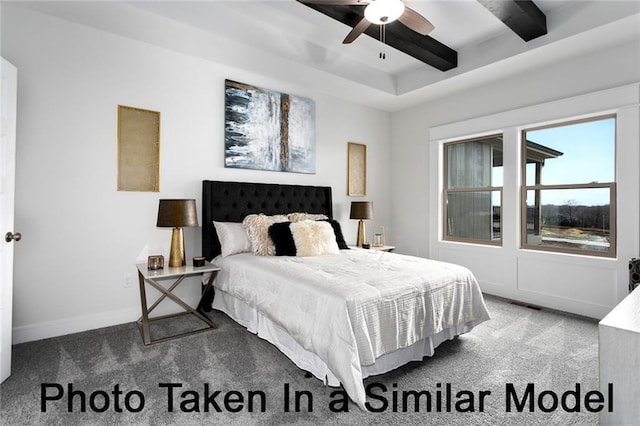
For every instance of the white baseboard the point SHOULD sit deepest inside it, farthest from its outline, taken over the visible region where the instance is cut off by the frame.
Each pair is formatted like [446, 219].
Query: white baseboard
[586, 309]
[45, 330]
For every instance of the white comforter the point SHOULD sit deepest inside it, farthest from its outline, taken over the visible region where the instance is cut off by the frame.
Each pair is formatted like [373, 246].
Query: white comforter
[351, 308]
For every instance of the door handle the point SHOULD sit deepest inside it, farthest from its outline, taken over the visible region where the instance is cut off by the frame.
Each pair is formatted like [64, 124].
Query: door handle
[10, 236]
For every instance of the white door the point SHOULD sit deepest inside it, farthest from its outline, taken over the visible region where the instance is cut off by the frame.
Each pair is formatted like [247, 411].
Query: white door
[8, 91]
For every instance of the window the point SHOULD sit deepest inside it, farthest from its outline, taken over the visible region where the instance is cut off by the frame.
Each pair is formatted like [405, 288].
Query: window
[473, 190]
[569, 187]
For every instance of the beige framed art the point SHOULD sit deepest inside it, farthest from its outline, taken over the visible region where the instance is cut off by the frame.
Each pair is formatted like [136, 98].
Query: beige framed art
[356, 169]
[138, 149]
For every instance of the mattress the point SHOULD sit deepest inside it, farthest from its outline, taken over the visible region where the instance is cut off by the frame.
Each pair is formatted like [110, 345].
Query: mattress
[344, 317]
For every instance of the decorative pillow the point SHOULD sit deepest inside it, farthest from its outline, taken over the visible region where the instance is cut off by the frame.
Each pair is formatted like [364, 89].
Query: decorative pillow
[314, 238]
[283, 240]
[337, 230]
[297, 217]
[233, 238]
[257, 227]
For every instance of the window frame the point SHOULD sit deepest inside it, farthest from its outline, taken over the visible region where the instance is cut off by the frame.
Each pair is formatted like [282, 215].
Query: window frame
[446, 190]
[524, 189]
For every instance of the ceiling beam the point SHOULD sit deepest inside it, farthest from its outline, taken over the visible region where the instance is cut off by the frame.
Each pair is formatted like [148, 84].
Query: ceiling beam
[424, 48]
[522, 16]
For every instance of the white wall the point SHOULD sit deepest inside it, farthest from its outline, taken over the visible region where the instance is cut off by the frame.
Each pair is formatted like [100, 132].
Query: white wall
[583, 285]
[81, 237]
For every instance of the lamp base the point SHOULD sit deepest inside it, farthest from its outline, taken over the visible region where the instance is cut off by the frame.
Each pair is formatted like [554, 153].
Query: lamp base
[176, 256]
[362, 235]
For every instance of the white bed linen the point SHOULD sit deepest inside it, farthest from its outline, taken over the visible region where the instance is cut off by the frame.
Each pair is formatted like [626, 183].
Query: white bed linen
[351, 309]
[259, 324]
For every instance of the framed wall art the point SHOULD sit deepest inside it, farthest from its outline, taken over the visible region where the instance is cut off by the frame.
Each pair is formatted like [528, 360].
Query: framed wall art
[267, 130]
[138, 149]
[356, 169]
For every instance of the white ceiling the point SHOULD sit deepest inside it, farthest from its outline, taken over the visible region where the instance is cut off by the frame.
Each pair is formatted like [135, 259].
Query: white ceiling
[298, 36]
[274, 25]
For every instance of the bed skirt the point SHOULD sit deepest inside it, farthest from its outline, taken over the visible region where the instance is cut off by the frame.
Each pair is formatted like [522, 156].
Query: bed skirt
[257, 323]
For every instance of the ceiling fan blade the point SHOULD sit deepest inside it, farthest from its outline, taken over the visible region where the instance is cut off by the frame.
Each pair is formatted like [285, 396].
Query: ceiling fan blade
[337, 2]
[416, 22]
[356, 31]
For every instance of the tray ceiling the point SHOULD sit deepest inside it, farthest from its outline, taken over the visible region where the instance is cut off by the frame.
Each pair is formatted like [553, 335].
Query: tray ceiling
[289, 34]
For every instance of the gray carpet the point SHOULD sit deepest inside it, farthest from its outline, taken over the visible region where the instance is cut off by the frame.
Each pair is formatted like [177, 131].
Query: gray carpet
[554, 351]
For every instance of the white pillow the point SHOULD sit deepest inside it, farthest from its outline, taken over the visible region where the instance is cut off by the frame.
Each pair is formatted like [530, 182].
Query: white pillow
[233, 238]
[314, 238]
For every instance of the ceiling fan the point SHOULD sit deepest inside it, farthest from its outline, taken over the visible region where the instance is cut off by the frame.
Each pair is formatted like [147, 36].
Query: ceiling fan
[381, 12]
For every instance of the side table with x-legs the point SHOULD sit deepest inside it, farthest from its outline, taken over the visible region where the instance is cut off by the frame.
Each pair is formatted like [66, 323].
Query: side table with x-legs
[150, 277]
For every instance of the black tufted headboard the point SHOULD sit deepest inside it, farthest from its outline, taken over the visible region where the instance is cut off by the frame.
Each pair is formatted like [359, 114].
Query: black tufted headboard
[232, 201]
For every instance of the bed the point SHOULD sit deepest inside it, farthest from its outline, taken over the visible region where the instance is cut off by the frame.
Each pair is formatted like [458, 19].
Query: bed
[343, 316]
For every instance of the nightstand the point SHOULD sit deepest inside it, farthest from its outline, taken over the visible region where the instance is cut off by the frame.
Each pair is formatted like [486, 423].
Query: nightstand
[383, 248]
[379, 248]
[150, 277]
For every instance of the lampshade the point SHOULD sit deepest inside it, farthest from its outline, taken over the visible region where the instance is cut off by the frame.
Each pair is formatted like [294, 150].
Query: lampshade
[361, 210]
[177, 213]
[384, 11]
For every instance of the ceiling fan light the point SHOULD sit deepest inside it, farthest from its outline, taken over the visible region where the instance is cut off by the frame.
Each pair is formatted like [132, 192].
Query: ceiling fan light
[383, 11]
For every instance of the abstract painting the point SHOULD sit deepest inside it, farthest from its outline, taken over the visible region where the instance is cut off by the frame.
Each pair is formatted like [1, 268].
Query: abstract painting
[267, 130]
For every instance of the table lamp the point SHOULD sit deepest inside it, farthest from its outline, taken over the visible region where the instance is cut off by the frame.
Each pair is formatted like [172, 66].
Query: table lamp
[177, 214]
[361, 210]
